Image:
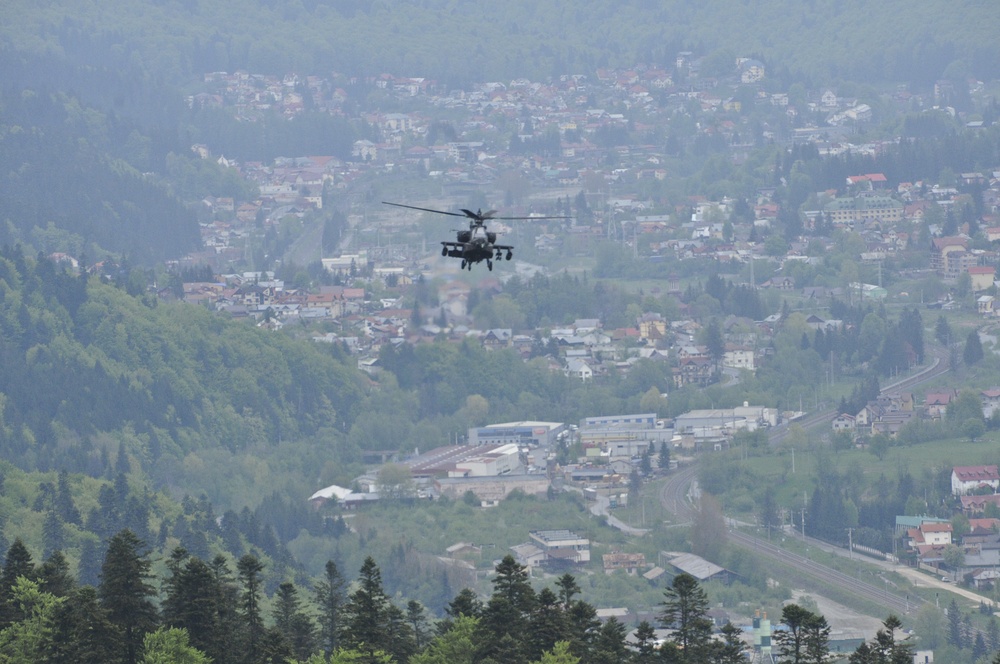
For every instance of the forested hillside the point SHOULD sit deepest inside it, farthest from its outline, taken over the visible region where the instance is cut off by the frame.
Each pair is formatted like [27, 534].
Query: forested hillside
[69, 182]
[464, 40]
[83, 360]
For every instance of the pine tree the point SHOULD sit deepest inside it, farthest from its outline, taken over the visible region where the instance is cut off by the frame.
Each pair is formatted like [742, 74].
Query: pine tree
[547, 624]
[685, 609]
[584, 626]
[973, 351]
[83, 632]
[366, 614]
[292, 623]
[228, 616]
[17, 564]
[249, 569]
[645, 644]
[52, 533]
[89, 569]
[329, 594]
[730, 650]
[64, 505]
[505, 618]
[54, 575]
[192, 601]
[806, 637]
[663, 460]
[465, 603]
[125, 592]
[416, 617]
[609, 646]
[955, 625]
[884, 649]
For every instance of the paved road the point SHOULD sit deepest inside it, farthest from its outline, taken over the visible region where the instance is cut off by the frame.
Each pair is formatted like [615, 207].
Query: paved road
[601, 507]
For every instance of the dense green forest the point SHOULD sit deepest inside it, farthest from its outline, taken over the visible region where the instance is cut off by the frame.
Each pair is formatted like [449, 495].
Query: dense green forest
[460, 41]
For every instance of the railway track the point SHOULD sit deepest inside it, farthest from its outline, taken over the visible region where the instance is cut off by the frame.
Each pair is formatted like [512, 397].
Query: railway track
[675, 497]
[676, 493]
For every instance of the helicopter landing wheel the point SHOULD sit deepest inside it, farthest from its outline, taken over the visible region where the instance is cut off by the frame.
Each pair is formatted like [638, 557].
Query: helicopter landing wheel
[444, 251]
[489, 264]
[510, 254]
[463, 264]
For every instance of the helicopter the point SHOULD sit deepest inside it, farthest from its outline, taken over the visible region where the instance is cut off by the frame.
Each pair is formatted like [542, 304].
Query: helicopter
[476, 244]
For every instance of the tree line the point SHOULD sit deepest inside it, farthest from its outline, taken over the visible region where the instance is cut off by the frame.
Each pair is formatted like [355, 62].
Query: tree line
[206, 611]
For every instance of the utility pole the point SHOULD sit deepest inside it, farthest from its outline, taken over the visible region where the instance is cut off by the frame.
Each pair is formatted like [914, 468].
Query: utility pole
[850, 542]
[803, 523]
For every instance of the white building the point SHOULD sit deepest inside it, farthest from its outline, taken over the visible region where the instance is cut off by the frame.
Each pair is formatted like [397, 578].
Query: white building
[501, 460]
[966, 479]
[562, 545]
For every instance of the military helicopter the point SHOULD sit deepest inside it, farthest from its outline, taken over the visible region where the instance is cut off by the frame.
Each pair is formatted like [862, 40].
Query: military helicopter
[476, 244]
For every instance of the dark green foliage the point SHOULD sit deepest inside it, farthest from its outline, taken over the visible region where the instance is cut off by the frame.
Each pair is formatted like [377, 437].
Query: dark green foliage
[91, 555]
[663, 457]
[249, 568]
[88, 195]
[505, 618]
[730, 650]
[609, 644]
[884, 649]
[956, 636]
[329, 594]
[366, 617]
[125, 592]
[685, 609]
[83, 632]
[972, 353]
[291, 622]
[805, 638]
[198, 598]
[18, 563]
[645, 644]
[54, 576]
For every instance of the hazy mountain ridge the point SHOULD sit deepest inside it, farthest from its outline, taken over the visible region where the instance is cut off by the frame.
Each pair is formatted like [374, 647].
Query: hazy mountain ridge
[465, 40]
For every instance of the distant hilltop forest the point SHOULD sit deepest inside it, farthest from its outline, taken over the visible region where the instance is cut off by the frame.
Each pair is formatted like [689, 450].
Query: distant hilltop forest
[459, 41]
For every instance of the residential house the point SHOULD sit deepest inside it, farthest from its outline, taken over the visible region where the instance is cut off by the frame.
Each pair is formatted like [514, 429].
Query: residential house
[578, 368]
[941, 250]
[497, 338]
[698, 371]
[991, 401]
[929, 534]
[977, 504]
[844, 422]
[970, 479]
[936, 403]
[982, 276]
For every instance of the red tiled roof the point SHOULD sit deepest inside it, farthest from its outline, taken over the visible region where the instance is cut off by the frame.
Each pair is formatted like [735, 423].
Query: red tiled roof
[976, 473]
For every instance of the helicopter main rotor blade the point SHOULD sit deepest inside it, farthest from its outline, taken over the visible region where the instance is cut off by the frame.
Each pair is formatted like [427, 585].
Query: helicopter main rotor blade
[531, 217]
[414, 207]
